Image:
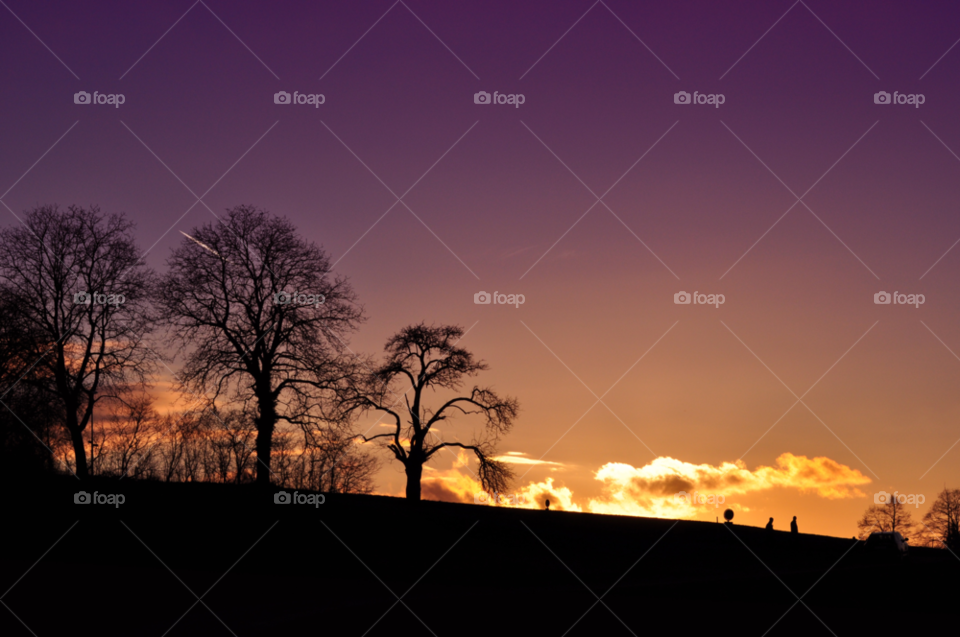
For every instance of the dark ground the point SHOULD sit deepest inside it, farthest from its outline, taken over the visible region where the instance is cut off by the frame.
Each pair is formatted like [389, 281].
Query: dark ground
[267, 569]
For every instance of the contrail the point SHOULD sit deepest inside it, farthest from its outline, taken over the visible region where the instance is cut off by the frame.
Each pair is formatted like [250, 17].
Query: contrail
[203, 245]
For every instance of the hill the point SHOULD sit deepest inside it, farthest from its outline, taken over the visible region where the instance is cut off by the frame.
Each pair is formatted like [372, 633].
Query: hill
[261, 568]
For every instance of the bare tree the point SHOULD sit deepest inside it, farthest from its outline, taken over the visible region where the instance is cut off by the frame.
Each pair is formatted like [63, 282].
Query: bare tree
[885, 518]
[333, 461]
[942, 522]
[126, 441]
[233, 438]
[261, 316]
[170, 448]
[81, 289]
[422, 358]
[216, 445]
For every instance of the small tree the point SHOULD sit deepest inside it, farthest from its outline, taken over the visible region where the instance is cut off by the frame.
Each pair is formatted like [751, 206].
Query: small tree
[942, 521]
[332, 460]
[127, 439]
[423, 358]
[885, 518]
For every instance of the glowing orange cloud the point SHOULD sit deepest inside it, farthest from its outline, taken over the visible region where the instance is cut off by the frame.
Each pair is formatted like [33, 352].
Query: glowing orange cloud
[663, 488]
[667, 487]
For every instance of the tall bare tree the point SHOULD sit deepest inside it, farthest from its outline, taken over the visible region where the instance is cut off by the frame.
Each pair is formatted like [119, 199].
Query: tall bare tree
[83, 293]
[260, 317]
[424, 359]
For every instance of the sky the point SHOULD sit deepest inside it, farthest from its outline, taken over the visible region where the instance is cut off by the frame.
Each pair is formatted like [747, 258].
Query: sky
[598, 198]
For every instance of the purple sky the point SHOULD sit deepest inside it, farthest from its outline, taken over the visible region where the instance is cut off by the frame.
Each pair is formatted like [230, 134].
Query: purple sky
[882, 202]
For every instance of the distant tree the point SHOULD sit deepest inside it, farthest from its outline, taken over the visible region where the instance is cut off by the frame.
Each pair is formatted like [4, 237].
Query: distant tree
[424, 359]
[126, 438]
[889, 517]
[333, 461]
[232, 437]
[261, 318]
[942, 522]
[216, 445]
[81, 292]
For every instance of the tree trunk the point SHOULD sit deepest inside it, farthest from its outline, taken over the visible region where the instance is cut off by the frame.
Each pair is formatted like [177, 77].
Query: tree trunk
[414, 472]
[265, 422]
[79, 452]
[264, 440]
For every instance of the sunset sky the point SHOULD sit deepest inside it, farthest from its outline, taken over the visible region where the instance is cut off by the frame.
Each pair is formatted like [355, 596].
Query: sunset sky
[626, 396]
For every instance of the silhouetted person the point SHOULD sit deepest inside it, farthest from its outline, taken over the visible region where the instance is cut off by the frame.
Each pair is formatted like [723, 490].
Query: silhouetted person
[548, 505]
[769, 526]
[793, 526]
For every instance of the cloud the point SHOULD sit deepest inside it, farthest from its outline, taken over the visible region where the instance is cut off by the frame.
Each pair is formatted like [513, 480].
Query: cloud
[653, 489]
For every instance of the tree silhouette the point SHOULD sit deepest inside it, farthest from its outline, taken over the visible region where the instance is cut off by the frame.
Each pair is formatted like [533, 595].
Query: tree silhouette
[80, 290]
[885, 518]
[423, 358]
[260, 317]
[942, 522]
